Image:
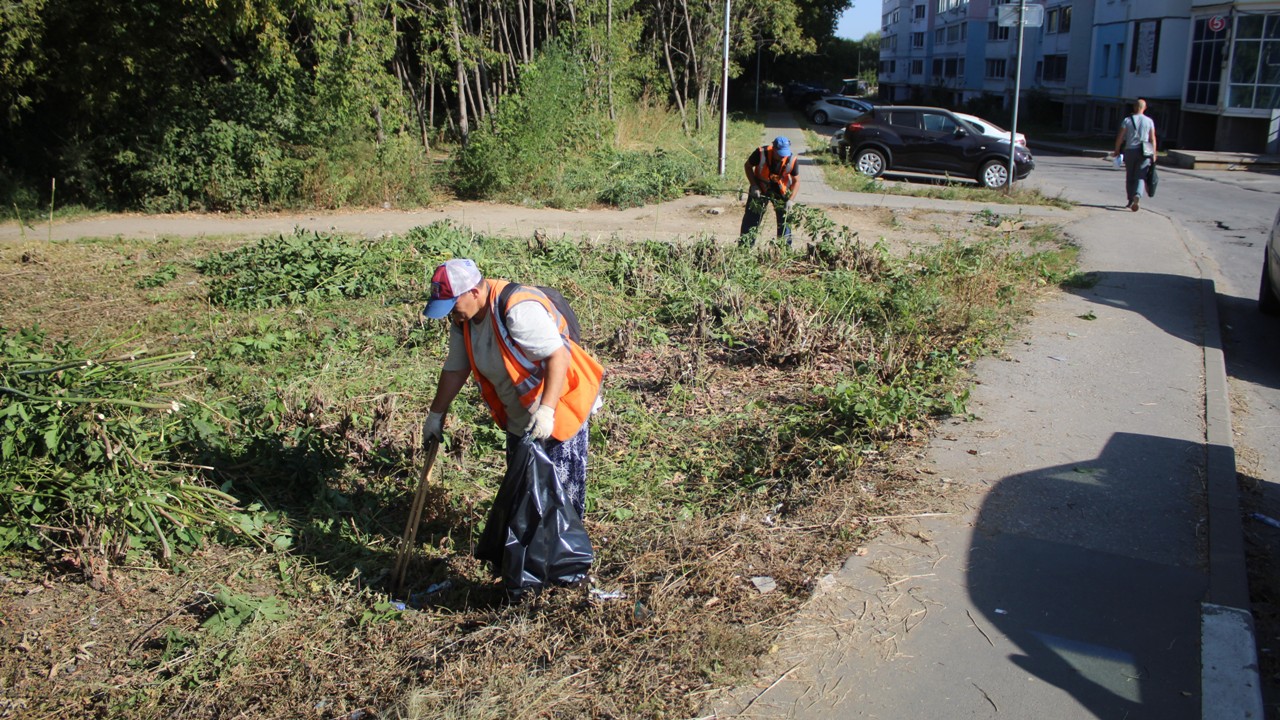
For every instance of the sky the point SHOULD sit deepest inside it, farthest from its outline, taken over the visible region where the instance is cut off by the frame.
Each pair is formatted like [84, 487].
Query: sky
[859, 20]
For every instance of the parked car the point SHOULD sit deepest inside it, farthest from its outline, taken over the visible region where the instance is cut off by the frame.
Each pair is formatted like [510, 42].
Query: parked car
[929, 140]
[1269, 290]
[835, 143]
[836, 107]
[991, 129]
[799, 95]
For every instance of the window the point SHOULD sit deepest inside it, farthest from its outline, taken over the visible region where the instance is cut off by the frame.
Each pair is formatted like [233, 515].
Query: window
[1058, 20]
[1055, 68]
[1146, 46]
[1255, 63]
[949, 67]
[896, 16]
[937, 67]
[917, 67]
[1208, 48]
[996, 69]
[953, 34]
[938, 36]
[964, 32]
[919, 12]
[893, 66]
[1106, 61]
[917, 39]
[905, 119]
[995, 33]
[937, 122]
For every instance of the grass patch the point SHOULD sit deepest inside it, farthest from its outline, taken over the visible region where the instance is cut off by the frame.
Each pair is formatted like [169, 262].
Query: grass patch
[755, 406]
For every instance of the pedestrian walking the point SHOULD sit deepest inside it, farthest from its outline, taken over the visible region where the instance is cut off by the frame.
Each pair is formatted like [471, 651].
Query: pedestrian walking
[1136, 143]
[533, 376]
[774, 178]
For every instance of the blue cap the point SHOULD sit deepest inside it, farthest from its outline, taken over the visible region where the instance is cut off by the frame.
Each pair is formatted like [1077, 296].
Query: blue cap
[782, 146]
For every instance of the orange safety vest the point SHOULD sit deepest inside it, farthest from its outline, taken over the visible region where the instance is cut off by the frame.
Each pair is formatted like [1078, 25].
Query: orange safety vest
[582, 380]
[764, 171]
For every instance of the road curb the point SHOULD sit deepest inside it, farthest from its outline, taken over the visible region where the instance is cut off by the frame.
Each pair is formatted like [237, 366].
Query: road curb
[1230, 686]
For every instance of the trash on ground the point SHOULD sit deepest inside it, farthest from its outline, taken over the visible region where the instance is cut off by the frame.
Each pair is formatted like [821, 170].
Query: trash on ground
[764, 584]
[1266, 520]
[1059, 358]
[1001, 611]
[598, 594]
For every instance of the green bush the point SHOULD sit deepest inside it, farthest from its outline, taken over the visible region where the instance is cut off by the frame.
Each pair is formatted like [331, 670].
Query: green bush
[537, 136]
[633, 179]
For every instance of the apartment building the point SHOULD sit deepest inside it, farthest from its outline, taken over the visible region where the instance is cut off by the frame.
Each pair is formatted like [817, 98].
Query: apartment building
[1210, 70]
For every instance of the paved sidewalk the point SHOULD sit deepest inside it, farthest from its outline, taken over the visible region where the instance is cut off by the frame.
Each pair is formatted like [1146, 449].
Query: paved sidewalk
[1071, 585]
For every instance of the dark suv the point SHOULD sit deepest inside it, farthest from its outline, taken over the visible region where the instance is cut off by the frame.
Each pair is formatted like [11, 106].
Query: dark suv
[929, 140]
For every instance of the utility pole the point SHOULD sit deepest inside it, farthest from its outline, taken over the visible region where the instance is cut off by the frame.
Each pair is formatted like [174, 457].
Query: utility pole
[724, 89]
[1017, 87]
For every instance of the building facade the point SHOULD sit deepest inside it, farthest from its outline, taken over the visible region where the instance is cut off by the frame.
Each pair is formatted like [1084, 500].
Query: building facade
[1210, 70]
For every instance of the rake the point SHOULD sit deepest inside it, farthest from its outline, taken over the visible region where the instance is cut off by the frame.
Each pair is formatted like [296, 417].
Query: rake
[410, 536]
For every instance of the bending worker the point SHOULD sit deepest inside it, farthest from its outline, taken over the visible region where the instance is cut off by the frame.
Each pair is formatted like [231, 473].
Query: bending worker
[774, 178]
[532, 375]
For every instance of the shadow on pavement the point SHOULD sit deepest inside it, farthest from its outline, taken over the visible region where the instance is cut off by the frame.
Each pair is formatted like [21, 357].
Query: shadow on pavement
[1092, 569]
[1165, 300]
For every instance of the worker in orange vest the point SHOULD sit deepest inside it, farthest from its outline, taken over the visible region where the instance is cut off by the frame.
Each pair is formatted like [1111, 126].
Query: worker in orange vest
[772, 173]
[533, 376]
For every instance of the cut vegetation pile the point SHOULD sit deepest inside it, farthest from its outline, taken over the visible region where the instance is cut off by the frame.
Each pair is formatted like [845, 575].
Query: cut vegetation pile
[234, 547]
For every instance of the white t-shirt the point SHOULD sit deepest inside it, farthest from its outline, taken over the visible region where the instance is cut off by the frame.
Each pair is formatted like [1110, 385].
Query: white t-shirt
[532, 329]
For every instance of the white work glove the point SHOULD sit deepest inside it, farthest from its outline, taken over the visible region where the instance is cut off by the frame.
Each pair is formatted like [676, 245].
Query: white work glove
[542, 422]
[433, 426]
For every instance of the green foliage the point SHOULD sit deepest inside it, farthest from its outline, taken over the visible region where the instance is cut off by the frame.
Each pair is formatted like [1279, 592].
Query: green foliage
[87, 454]
[159, 278]
[233, 611]
[380, 613]
[869, 407]
[633, 179]
[537, 135]
[300, 268]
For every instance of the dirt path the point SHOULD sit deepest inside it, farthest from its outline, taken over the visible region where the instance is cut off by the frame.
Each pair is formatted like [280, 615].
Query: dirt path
[687, 217]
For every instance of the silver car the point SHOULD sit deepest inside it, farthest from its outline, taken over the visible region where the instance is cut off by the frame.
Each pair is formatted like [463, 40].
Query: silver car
[1269, 290]
[836, 108]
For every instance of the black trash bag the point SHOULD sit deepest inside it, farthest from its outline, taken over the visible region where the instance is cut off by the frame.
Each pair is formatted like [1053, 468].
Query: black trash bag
[533, 535]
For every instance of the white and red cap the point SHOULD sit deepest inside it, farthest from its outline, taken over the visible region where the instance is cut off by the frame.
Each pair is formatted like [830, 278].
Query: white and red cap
[451, 279]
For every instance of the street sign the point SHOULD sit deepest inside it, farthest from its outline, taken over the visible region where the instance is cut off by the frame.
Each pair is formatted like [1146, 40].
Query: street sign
[1217, 23]
[1008, 15]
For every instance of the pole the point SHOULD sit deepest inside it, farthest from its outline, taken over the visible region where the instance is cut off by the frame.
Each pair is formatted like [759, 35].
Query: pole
[759, 44]
[1017, 84]
[724, 89]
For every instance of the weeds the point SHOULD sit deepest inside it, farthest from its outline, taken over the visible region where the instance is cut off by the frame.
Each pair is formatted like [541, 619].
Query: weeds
[752, 398]
[93, 455]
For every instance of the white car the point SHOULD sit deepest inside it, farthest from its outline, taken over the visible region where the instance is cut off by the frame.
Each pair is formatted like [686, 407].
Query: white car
[989, 128]
[836, 108]
[836, 141]
[1269, 290]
